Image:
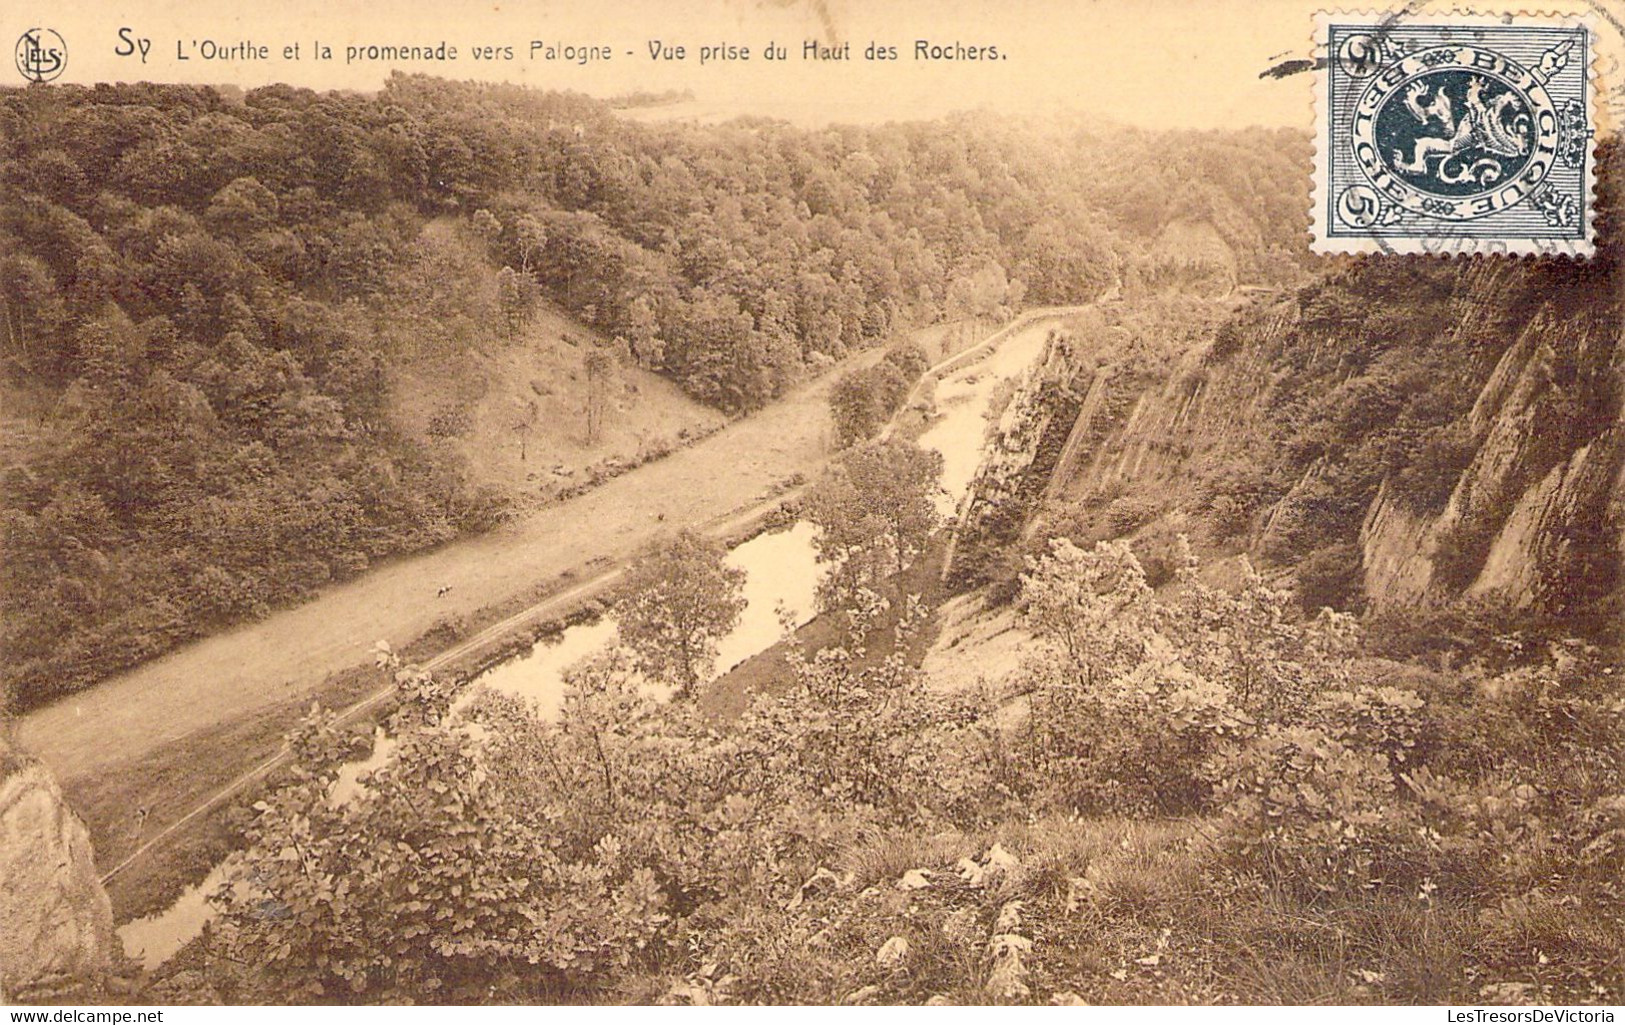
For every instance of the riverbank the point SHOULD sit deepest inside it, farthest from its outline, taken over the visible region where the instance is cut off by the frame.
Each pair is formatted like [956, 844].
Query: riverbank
[781, 582]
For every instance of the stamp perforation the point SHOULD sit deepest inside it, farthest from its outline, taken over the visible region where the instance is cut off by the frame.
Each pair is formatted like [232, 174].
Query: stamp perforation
[1515, 199]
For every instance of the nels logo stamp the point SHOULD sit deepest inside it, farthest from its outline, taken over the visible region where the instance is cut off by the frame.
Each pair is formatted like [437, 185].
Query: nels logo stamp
[1466, 137]
[41, 54]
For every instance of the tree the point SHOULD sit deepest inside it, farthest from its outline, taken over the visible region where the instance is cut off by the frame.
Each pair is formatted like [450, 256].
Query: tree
[1094, 605]
[643, 331]
[982, 290]
[242, 208]
[600, 366]
[426, 882]
[909, 359]
[517, 294]
[874, 511]
[486, 226]
[29, 304]
[524, 424]
[530, 241]
[680, 599]
[862, 401]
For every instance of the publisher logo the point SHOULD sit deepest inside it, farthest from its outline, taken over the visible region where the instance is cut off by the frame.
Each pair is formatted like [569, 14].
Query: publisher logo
[41, 54]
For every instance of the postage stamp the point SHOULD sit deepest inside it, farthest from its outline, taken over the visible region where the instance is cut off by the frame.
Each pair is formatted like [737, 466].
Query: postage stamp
[1454, 134]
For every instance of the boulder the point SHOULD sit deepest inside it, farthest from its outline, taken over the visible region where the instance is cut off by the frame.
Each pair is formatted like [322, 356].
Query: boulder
[56, 923]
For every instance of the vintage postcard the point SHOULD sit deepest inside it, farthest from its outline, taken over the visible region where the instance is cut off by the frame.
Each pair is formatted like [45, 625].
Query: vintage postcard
[810, 502]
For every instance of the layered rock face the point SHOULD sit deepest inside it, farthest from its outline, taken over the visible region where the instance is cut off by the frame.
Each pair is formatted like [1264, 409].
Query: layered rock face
[56, 924]
[1302, 410]
[1538, 516]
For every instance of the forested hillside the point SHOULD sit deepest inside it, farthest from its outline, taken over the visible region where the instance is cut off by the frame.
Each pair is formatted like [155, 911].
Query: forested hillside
[202, 291]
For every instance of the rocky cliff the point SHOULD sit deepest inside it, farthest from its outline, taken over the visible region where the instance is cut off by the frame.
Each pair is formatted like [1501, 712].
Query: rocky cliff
[1400, 431]
[56, 924]
[1538, 514]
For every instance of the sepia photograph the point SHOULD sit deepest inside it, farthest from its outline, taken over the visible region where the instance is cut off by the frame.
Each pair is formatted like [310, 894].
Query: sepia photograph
[812, 502]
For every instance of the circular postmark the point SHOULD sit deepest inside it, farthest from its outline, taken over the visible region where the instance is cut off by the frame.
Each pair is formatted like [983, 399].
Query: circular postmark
[1455, 132]
[41, 54]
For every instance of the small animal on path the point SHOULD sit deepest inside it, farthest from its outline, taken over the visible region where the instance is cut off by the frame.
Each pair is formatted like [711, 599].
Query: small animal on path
[444, 590]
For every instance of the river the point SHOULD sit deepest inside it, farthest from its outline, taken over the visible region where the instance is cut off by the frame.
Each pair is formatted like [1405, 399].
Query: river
[781, 583]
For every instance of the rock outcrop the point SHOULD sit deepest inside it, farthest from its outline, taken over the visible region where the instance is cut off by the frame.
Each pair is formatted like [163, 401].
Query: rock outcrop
[56, 923]
[1439, 430]
[1538, 515]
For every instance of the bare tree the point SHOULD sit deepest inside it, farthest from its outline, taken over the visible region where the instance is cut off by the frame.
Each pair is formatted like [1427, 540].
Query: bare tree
[600, 366]
[524, 425]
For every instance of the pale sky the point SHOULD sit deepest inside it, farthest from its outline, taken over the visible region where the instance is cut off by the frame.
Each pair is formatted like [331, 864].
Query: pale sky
[1156, 63]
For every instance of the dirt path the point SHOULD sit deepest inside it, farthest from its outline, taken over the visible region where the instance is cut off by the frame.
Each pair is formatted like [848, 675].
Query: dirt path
[260, 664]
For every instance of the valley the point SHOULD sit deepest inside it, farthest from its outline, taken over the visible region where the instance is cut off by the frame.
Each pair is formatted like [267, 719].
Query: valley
[466, 543]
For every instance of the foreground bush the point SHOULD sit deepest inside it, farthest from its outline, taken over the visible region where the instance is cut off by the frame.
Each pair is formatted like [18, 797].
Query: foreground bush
[1195, 798]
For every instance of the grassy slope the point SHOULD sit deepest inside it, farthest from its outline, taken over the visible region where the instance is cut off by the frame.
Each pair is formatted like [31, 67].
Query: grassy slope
[1117, 911]
[537, 380]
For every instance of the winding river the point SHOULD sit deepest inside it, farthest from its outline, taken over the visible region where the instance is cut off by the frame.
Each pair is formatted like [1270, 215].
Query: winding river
[782, 577]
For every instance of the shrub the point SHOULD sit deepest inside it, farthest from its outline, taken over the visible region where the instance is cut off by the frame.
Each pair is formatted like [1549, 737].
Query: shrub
[1126, 514]
[1118, 722]
[449, 421]
[909, 359]
[1487, 629]
[1425, 484]
[1130, 744]
[1313, 815]
[1463, 547]
[1331, 577]
[349, 563]
[1161, 551]
[1228, 519]
[863, 400]
[1385, 720]
[1227, 341]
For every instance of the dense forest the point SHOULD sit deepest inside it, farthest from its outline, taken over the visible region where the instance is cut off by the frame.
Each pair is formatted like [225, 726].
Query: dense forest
[203, 292]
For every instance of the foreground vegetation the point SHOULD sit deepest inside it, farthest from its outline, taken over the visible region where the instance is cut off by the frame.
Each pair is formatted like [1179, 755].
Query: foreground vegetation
[1188, 797]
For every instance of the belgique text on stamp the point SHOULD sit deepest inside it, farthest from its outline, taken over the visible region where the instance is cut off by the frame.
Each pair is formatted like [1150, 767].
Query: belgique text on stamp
[1453, 134]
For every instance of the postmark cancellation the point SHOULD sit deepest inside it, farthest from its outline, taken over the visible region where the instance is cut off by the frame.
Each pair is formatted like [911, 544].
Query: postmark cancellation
[1454, 134]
